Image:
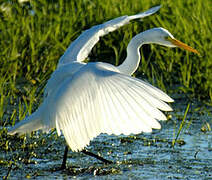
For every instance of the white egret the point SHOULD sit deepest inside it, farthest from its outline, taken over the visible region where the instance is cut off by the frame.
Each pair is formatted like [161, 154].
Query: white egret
[83, 100]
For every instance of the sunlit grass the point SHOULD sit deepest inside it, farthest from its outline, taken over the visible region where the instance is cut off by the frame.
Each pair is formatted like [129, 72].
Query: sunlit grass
[35, 34]
[181, 126]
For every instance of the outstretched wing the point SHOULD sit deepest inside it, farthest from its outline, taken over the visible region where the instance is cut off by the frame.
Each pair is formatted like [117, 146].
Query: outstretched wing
[96, 100]
[81, 47]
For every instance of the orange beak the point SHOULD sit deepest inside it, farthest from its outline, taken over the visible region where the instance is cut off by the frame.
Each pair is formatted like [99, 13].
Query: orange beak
[183, 45]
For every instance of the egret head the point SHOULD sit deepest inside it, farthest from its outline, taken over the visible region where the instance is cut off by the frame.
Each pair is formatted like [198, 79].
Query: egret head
[163, 37]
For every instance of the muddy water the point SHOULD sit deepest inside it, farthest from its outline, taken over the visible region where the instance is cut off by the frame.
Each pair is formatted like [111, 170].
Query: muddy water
[144, 156]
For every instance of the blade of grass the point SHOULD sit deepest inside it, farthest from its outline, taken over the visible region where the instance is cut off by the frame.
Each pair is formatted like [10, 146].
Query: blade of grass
[181, 125]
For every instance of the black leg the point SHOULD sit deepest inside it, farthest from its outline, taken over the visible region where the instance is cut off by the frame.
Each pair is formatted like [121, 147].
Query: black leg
[63, 166]
[96, 156]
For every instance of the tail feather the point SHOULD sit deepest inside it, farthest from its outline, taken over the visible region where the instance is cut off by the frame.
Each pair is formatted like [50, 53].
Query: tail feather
[29, 124]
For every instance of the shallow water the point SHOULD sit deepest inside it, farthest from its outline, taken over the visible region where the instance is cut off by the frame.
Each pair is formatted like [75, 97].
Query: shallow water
[143, 156]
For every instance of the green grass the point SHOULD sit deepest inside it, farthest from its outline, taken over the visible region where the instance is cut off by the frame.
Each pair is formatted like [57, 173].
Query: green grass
[181, 126]
[31, 44]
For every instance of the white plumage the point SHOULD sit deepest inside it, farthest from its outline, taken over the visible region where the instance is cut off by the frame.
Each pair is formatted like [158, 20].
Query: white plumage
[83, 100]
[81, 47]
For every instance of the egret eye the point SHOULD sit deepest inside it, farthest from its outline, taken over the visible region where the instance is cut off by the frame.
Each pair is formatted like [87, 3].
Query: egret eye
[168, 38]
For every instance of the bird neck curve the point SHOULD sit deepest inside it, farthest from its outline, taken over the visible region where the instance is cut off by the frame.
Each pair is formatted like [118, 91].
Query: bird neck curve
[131, 63]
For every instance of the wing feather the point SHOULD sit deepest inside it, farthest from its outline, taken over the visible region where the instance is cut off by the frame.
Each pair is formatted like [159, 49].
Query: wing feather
[81, 47]
[138, 111]
[110, 126]
[96, 100]
[122, 110]
[157, 93]
[150, 99]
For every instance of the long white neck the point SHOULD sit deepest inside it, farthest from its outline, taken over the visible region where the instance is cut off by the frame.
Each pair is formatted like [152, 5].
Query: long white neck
[131, 63]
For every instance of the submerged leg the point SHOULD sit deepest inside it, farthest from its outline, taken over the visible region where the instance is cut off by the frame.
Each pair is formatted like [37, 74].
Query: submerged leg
[63, 166]
[96, 156]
